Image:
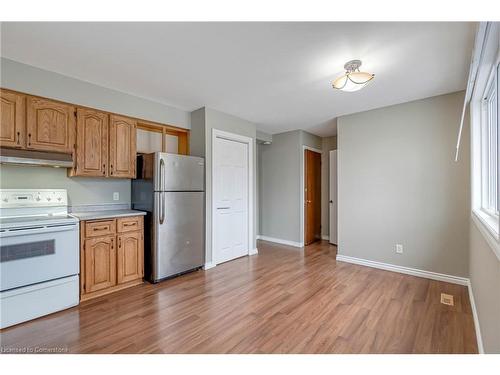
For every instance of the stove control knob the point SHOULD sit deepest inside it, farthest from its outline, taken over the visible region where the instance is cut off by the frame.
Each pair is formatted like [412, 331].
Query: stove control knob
[38, 198]
[59, 199]
[49, 199]
[5, 199]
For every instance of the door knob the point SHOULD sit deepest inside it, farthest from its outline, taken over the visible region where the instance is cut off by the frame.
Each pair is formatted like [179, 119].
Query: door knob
[331, 201]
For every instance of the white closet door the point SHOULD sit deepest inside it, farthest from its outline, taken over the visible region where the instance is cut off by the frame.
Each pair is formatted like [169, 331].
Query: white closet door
[230, 199]
[333, 197]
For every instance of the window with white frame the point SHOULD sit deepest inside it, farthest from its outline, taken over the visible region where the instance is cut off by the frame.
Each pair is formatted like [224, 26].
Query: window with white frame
[489, 147]
[485, 135]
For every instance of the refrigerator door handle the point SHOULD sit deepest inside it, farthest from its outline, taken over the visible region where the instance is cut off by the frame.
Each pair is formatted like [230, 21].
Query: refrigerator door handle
[162, 174]
[162, 207]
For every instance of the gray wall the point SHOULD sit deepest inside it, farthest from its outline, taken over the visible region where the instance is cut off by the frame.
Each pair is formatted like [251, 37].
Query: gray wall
[264, 137]
[81, 190]
[327, 144]
[398, 183]
[36, 81]
[197, 137]
[484, 272]
[204, 120]
[281, 184]
[280, 187]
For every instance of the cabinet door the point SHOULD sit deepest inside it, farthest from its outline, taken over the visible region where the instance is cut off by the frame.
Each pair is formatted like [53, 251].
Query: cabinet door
[100, 263]
[91, 143]
[122, 147]
[50, 125]
[130, 257]
[12, 124]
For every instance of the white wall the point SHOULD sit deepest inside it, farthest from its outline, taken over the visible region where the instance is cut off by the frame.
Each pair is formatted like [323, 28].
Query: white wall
[398, 183]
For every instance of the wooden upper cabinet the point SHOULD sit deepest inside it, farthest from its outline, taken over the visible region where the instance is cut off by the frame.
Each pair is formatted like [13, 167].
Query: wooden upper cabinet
[122, 146]
[50, 125]
[12, 120]
[91, 143]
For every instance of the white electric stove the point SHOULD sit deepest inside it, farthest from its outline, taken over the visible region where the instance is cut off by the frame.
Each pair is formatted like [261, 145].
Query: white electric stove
[39, 254]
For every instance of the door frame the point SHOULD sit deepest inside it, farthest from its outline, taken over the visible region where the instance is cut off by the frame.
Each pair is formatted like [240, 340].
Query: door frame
[216, 133]
[329, 197]
[302, 187]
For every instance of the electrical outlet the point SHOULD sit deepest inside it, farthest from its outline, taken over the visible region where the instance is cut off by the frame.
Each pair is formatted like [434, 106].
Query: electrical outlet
[116, 196]
[399, 248]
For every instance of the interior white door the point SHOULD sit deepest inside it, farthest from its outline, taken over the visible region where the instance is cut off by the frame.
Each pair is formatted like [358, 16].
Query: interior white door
[230, 199]
[333, 197]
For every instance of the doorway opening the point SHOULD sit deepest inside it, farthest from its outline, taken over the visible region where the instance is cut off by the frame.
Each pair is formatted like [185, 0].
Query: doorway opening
[312, 196]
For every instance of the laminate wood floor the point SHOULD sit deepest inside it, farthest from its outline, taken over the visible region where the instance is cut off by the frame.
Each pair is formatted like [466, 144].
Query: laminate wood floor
[283, 300]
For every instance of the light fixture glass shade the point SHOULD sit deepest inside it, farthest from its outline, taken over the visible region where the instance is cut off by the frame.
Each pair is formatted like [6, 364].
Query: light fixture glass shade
[352, 81]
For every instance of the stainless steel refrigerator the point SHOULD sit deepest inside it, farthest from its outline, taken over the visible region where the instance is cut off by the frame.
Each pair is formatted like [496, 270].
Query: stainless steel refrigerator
[170, 188]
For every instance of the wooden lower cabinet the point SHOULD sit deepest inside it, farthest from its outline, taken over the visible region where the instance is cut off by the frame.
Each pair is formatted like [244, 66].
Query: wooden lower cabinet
[130, 262]
[111, 261]
[100, 263]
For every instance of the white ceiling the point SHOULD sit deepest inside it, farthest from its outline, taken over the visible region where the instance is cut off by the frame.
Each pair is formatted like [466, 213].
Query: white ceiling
[274, 74]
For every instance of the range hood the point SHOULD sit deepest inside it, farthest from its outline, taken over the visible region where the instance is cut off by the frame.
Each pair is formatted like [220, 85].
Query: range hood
[36, 158]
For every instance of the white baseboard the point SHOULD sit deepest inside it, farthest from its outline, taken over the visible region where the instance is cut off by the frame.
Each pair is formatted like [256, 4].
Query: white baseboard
[479, 338]
[406, 270]
[209, 265]
[253, 252]
[280, 241]
[325, 237]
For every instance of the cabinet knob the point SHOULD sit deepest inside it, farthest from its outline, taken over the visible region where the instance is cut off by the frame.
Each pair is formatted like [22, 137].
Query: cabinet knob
[18, 138]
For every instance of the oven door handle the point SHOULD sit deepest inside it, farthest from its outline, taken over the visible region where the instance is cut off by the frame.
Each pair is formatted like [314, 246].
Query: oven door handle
[38, 230]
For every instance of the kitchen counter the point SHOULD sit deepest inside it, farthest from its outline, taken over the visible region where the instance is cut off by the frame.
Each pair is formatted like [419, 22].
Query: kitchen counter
[106, 214]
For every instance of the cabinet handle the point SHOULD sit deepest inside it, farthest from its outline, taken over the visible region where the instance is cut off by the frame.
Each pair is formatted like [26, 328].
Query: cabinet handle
[129, 224]
[18, 136]
[100, 228]
[111, 169]
[120, 242]
[104, 169]
[29, 139]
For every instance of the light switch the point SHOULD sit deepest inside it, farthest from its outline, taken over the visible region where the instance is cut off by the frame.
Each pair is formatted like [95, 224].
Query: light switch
[116, 196]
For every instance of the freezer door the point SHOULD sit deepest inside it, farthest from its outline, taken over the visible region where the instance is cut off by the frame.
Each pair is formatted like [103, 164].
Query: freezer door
[178, 172]
[178, 244]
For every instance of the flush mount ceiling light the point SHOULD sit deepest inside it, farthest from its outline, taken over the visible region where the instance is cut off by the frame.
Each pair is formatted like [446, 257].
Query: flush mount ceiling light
[353, 79]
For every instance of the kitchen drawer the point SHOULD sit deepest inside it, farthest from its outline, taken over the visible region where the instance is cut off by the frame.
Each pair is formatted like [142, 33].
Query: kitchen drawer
[129, 224]
[100, 228]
